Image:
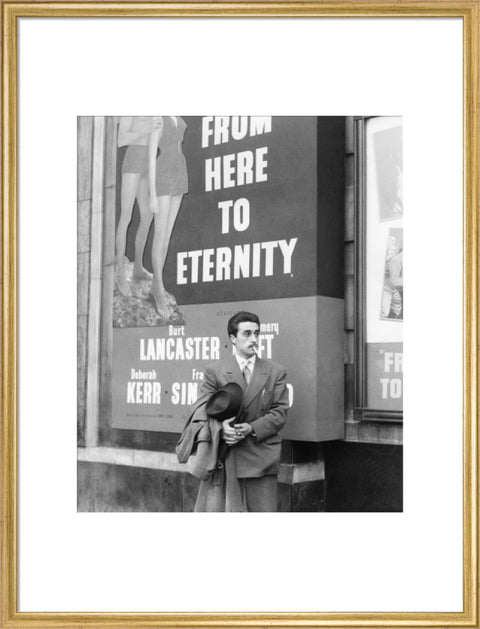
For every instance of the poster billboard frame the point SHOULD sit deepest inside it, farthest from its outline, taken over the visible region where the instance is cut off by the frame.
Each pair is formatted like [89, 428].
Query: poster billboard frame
[362, 409]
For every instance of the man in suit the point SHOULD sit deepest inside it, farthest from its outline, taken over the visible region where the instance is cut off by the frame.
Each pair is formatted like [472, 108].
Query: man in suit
[253, 446]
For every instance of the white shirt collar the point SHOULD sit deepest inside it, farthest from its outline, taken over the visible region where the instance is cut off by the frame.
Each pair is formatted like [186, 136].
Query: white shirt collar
[242, 361]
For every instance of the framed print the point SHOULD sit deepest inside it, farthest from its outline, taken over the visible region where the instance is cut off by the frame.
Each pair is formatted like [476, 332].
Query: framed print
[222, 324]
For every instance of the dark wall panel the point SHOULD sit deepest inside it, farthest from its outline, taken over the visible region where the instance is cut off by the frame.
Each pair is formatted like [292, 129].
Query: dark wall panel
[363, 477]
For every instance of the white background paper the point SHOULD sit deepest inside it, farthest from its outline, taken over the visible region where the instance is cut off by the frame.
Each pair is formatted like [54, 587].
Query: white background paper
[280, 562]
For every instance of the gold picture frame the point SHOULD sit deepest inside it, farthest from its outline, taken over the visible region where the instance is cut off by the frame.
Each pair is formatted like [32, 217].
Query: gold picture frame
[469, 12]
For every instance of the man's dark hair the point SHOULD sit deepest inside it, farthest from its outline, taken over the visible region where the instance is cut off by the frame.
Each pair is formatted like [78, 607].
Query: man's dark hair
[241, 317]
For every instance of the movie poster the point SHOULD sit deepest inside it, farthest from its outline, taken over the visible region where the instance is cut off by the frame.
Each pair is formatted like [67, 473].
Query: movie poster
[384, 272]
[217, 214]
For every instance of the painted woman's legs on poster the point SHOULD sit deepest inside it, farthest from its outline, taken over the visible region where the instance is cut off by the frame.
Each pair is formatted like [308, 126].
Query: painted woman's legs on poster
[168, 207]
[139, 272]
[154, 175]
[141, 298]
[134, 186]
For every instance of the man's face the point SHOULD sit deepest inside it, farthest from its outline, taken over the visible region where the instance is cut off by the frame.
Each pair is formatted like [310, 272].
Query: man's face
[246, 341]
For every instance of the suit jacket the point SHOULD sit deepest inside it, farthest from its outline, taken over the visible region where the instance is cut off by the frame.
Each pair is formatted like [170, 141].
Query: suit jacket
[265, 403]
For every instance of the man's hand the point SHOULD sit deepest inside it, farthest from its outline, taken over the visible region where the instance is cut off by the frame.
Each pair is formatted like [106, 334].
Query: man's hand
[230, 435]
[244, 429]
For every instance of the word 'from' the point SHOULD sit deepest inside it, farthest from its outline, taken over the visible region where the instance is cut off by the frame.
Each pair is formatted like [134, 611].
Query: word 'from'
[219, 129]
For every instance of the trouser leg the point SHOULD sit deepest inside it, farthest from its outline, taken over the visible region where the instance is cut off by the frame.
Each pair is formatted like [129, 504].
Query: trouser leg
[261, 493]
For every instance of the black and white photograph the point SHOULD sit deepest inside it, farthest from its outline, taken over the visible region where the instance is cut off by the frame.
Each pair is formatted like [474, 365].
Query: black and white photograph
[222, 256]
